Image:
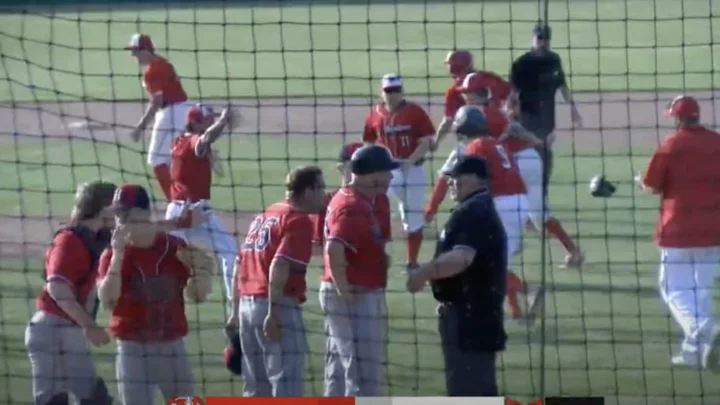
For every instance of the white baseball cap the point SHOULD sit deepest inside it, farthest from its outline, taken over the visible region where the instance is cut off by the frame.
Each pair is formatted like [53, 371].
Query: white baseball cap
[140, 42]
[390, 81]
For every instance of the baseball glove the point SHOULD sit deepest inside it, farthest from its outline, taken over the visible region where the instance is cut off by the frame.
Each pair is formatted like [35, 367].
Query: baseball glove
[202, 269]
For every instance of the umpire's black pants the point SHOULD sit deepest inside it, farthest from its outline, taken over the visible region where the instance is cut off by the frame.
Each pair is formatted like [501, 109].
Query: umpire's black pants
[467, 373]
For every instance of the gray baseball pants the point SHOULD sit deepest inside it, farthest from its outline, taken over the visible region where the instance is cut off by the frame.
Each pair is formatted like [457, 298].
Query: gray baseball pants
[272, 369]
[356, 342]
[142, 366]
[60, 359]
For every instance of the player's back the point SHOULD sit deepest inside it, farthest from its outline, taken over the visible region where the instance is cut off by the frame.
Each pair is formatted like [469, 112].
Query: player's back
[160, 76]
[191, 174]
[505, 176]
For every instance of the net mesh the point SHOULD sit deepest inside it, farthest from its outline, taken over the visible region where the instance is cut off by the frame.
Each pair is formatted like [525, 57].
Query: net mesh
[303, 76]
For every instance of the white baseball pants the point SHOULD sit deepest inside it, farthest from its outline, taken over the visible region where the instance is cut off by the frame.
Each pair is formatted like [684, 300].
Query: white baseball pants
[169, 124]
[409, 188]
[513, 212]
[531, 170]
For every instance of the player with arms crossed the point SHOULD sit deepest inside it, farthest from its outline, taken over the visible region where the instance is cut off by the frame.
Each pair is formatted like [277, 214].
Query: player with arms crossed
[271, 288]
[508, 191]
[406, 130]
[191, 174]
[144, 279]
[685, 172]
[352, 292]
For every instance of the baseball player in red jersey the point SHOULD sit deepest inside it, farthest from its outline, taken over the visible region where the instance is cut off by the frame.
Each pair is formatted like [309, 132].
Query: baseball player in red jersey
[685, 172]
[271, 288]
[352, 292]
[507, 188]
[334, 371]
[142, 281]
[168, 106]
[58, 334]
[406, 130]
[191, 175]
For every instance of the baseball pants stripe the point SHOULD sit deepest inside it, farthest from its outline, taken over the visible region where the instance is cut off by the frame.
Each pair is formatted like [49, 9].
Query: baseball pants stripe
[141, 367]
[687, 279]
[356, 340]
[60, 359]
[274, 369]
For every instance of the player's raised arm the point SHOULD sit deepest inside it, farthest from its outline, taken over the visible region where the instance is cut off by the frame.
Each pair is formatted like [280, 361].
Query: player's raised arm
[225, 119]
[110, 266]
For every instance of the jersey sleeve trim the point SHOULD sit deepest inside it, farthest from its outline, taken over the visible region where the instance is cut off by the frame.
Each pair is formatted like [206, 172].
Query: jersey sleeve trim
[344, 242]
[292, 259]
[57, 277]
[464, 247]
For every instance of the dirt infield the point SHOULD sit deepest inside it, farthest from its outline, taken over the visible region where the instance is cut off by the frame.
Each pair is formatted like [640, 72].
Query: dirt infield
[611, 120]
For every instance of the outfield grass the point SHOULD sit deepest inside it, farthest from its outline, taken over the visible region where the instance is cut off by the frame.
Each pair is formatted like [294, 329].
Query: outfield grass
[327, 50]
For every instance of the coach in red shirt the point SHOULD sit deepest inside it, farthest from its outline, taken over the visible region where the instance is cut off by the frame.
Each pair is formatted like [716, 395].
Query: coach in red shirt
[685, 172]
[356, 269]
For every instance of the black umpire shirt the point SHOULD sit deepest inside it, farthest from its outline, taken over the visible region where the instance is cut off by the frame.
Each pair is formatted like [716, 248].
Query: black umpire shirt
[536, 79]
[479, 291]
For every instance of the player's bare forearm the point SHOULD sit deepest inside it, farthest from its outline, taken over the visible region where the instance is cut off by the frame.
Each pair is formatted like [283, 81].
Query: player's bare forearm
[67, 301]
[516, 130]
[279, 274]
[568, 98]
[156, 101]
[211, 135]
[335, 251]
[443, 130]
[421, 150]
[448, 264]
[110, 286]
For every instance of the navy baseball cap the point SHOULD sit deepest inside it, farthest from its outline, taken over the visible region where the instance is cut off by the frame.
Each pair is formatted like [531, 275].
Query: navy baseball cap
[347, 151]
[470, 121]
[371, 159]
[468, 165]
[130, 196]
[542, 31]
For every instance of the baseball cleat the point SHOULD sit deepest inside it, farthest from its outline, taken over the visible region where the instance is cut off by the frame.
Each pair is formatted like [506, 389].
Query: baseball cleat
[574, 260]
[684, 359]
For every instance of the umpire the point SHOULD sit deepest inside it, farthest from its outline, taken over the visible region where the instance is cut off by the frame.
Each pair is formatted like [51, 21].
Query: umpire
[536, 76]
[468, 277]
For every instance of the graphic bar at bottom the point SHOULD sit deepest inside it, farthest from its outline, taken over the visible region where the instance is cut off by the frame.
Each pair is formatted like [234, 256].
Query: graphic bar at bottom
[356, 401]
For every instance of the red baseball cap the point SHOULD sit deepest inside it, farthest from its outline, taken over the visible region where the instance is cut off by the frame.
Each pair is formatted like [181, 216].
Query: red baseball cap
[130, 196]
[347, 151]
[199, 113]
[683, 107]
[140, 42]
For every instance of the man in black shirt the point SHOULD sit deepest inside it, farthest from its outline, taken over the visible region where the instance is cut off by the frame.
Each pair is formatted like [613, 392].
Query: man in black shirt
[536, 76]
[468, 277]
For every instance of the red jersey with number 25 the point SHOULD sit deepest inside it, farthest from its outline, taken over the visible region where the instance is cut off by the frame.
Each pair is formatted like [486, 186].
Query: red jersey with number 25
[505, 176]
[400, 131]
[281, 231]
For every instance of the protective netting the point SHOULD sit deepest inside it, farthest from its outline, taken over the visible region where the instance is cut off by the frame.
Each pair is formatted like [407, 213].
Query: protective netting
[303, 76]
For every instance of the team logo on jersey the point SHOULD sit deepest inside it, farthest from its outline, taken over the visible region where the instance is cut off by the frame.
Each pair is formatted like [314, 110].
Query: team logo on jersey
[396, 129]
[186, 401]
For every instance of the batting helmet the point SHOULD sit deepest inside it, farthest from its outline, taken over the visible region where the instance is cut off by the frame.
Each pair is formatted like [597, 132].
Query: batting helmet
[683, 107]
[232, 355]
[476, 83]
[601, 187]
[372, 159]
[460, 62]
[470, 121]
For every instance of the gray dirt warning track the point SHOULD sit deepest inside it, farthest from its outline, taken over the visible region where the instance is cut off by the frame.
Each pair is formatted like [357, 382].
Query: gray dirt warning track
[611, 120]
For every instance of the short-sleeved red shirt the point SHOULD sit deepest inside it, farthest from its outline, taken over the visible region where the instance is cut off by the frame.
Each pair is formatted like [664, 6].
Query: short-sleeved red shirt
[505, 176]
[685, 169]
[151, 306]
[351, 219]
[160, 77]
[281, 231]
[400, 131]
[68, 260]
[191, 174]
[381, 204]
[453, 100]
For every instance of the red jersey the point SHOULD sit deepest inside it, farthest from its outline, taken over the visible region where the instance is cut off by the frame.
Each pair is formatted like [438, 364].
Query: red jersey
[381, 205]
[685, 169]
[191, 174]
[160, 78]
[453, 100]
[351, 219]
[68, 260]
[505, 176]
[400, 131]
[499, 88]
[280, 231]
[151, 307]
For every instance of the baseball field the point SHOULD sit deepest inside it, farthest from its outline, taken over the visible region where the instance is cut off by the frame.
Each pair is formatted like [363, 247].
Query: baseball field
[303, 77]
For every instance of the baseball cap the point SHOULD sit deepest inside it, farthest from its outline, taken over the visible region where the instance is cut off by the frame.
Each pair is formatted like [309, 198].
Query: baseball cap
[684, 107]
[199, 113]
[542, 31]
[468, 165]
[371, 159]
[347, 151]
[470, 121]
[140, 42]
[130, 196]
[391, 81]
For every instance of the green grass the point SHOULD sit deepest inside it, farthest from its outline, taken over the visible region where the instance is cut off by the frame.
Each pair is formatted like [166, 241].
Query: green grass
[606, 333]
[328, 50]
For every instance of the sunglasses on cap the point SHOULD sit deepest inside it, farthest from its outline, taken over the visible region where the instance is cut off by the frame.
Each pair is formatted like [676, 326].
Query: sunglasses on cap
[392, 90]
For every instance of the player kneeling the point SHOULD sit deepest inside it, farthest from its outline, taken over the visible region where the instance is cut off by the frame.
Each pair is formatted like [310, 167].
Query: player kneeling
[271, 288]
[144, 279]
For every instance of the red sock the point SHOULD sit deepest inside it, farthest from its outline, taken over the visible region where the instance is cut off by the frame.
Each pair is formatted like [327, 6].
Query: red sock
[162, 174]
[414, 241]
[515, 283]
[438, 195]
[514, 286]
[556, 229]
[514, 304]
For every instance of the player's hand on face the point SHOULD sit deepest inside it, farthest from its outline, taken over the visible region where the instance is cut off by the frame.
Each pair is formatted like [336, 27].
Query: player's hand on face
[97, 336]
[271, 328]
[120, 237]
